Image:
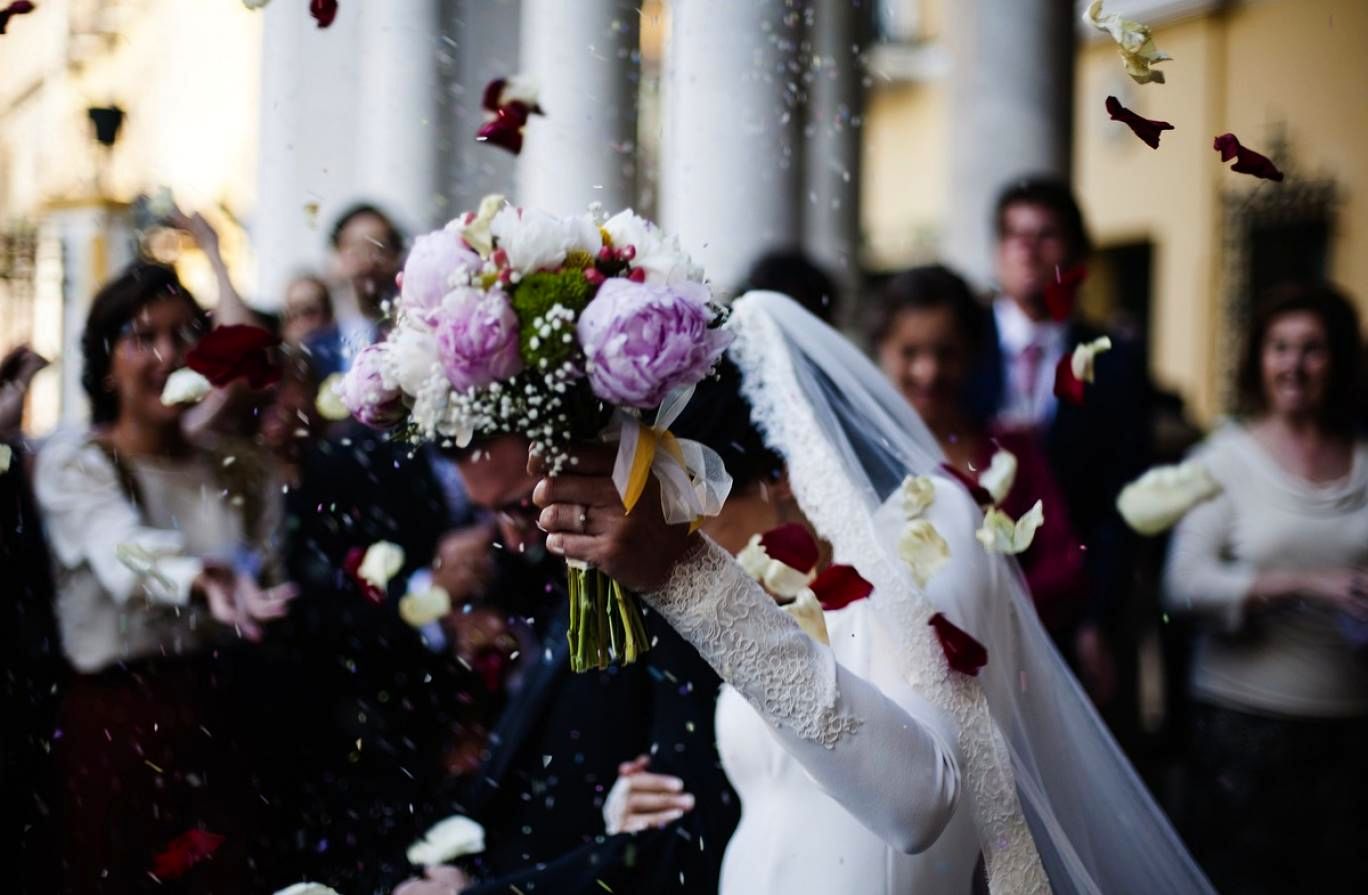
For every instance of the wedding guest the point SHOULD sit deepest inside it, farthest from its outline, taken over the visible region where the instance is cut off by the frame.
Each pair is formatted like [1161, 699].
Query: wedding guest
[308, 309]
[563, 737]
[1276, 567]
[157, 545]
[928, 332]
[368, 251]
[1094, 448]
[791, 272]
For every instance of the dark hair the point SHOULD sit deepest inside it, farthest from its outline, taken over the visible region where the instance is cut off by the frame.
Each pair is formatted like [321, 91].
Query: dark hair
[926, 288]
[1344, 393]
[114, 306]
[317, 282]
[1050, 193]
[395, 237]
[792, 273]
[719, 416]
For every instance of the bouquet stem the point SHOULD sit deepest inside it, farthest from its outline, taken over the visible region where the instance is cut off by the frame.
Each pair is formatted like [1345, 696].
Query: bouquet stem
[605, 621]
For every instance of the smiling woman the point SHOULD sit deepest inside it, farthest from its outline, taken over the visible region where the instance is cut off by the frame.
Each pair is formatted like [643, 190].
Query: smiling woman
[144, 567]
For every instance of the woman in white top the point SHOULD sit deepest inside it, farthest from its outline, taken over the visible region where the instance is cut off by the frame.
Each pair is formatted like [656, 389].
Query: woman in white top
[1276, 567]
[157, 546]
[870, 765]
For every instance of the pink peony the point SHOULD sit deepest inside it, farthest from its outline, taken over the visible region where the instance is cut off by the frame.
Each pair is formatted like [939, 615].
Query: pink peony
[643, 340]
[433, 260]
[477, 338]
[364, 394]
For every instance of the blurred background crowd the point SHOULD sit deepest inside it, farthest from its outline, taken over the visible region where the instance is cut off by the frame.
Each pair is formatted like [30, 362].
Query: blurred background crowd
[918, 173]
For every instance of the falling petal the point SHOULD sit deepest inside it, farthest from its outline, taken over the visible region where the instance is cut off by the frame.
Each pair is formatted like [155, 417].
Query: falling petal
[1000, 475]
[964, 654]
[1061, 294]
[999, 534]
[807, 612]
[185, 386]
[1146, 129]
[838, 586]
[323, 11]
[236, 352]
[1156, 501]
[184, 852]
[18, 8]
[1247, 161]
[1138, 52]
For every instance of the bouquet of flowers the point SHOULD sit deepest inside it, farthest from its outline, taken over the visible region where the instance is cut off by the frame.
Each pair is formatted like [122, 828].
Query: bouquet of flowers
[562, 330]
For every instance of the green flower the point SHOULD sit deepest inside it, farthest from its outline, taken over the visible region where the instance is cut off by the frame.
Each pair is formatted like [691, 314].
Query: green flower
[547, 304]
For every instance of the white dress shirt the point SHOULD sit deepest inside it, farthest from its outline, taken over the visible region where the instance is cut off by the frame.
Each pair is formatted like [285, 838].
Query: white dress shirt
[1024, 406]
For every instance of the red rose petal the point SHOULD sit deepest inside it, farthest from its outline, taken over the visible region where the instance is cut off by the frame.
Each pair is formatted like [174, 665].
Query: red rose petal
[492, 93]
[839, 586]
[352, 566]
[793, 545]
[976, 491]
[184, 852]
[235, 352]
[965, 654]
[1146, 129]
[1247, 161]
[323, 11]
[1062, 294]
[18, 8]
[1067, 386]
[501, 131]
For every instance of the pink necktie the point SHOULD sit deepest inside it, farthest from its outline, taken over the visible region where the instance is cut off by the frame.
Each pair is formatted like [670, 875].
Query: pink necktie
[1028, 372]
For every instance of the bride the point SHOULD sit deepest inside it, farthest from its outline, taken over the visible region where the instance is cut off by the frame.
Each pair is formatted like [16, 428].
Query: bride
[870, 766]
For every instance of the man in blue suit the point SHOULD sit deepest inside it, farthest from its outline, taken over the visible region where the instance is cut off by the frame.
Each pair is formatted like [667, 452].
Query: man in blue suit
[1095, 447]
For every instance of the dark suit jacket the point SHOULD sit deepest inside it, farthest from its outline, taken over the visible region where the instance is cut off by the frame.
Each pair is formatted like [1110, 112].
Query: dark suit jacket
[1094, 450]
[554, 755]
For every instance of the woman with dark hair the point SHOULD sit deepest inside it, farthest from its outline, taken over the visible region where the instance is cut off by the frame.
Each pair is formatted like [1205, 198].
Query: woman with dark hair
[158, 545]
[1277, 566]
[927, 336]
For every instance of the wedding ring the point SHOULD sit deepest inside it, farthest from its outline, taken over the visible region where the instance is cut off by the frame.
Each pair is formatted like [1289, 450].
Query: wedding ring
[582, 519]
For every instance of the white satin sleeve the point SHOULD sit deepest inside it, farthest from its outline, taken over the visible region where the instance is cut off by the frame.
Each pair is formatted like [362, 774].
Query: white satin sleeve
[881, 758]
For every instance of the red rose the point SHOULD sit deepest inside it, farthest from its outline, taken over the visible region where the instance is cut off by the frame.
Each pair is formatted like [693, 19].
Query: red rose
[323, 11]
[965, 654]
[1146, 129]
[1247, 161]
[184, 852]
[235, 352]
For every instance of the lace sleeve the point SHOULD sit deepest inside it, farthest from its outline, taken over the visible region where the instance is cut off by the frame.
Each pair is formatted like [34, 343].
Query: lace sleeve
[882, 759]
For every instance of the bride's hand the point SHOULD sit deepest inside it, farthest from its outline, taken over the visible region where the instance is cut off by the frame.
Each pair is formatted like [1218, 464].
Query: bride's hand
[583, 516]
[640, 800]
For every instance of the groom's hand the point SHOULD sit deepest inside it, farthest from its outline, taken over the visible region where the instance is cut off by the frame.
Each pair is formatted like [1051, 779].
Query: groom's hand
[583, 516]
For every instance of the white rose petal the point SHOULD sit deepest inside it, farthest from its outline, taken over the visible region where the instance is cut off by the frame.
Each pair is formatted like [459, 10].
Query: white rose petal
[923, 549]
[1138, 51]
[450, 839]
[305, 888]
[1159, 498]
[918, 493]
[382, 561]
[1085, 355]
[6, 457]
[1000, 475]
[807, 612]
[185, 386]
[753, 558]
[421, 607]
[519, 88]
[329, 401]
[999, 534]
[476, 232]
[774, 576]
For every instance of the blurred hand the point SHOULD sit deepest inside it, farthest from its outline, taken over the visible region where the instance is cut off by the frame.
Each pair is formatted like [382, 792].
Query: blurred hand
[442, 880]
[200, 230]
[237, 600]
[640, 800]
[1343, 589]
[585, 520]
[1095, 666]
[16, 374]
[464, 564]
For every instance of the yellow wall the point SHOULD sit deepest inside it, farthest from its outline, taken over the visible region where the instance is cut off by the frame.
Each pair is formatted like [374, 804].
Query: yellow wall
[905, 170]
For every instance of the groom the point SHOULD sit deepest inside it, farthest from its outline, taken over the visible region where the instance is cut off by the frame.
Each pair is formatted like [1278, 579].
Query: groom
[557, 748]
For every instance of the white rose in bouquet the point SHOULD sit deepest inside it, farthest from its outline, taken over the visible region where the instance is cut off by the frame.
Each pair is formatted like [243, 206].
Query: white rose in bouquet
[535, 240]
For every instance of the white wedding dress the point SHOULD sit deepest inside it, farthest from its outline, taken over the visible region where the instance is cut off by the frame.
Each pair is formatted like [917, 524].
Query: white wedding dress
[870, 766]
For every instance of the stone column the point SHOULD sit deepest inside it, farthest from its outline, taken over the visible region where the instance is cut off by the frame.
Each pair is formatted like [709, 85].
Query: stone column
[397, 129]
[583, 57]
[731, 154]
[1011, 102]
[831, 216]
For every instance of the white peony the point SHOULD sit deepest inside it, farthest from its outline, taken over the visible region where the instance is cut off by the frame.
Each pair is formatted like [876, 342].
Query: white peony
[420, 607]
[536, 240]
[1159, 498]
[411, 359]
[305, 888]
[185, 386]
[446, 841]
[1085, 355]
[918, 493]
[1000, 475]
[923, 549]
[329, 401]
[999, 534]
[807, 612]
[658, 255]
[382, 561]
